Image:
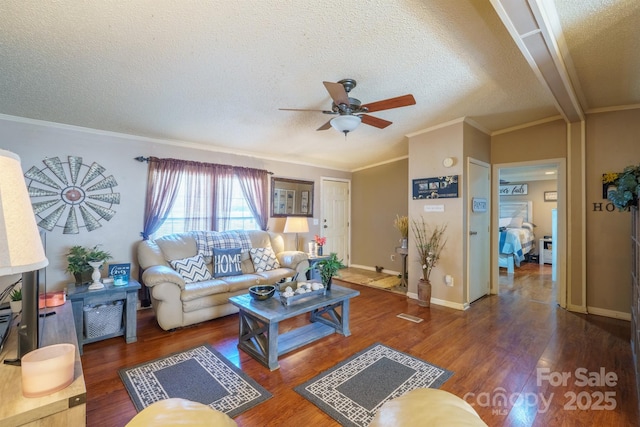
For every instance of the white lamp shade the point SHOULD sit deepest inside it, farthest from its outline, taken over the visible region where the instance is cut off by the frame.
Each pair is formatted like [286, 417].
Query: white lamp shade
[296, 224]
[20, 244]
[346, 123]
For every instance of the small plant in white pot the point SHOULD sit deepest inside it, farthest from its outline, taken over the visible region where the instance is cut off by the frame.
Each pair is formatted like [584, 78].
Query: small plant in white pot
[16, 300]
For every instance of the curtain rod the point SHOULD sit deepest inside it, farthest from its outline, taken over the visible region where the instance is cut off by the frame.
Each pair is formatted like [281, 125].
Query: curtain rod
[147, 159]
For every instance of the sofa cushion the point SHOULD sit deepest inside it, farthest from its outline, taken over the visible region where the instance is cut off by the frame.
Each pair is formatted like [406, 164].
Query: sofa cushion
[192, 269]
[273, 276]
[207, 287]
[227, 262]
[177, 246]
[264, 259]
[242, 282]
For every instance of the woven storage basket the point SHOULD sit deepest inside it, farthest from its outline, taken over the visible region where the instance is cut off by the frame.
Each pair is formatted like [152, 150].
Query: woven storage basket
[102, 319]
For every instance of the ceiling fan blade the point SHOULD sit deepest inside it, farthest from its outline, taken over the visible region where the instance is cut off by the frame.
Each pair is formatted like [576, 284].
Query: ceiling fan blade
[374, 121]
[325, 126]
[337, 92]
[303, 109]
[387, 104]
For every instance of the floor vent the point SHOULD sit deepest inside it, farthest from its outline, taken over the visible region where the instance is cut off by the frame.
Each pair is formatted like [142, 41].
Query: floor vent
[410, 318]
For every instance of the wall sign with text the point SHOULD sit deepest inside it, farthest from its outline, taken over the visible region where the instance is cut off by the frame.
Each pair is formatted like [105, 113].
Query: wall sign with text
[441, 187]
[478, 204]
[514, 190]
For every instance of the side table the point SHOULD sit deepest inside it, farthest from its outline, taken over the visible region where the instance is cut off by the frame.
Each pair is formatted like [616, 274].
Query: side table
[403, 253]
[313, 273]
[81, 296]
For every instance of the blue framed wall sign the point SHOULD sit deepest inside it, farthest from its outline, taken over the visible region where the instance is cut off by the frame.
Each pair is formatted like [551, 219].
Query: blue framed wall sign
[120, 273]
[441, 187]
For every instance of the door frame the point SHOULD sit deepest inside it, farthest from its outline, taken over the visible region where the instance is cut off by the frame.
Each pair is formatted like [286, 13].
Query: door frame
[323, 180]
[561, 267]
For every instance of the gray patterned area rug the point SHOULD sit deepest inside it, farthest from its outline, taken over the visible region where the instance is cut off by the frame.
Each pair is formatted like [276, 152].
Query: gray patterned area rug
[352, 391]
[200, 374]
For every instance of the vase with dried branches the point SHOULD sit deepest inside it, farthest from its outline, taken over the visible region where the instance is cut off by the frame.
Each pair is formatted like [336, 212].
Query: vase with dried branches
[430, 241]
[401, 223]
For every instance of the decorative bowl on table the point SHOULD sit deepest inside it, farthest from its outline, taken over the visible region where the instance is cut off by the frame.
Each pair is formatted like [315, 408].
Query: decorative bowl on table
[262, 292]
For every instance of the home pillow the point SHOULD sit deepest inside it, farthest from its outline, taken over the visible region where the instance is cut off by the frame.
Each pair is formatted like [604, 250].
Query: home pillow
[264, 259]
[227, 262]
[192, 269]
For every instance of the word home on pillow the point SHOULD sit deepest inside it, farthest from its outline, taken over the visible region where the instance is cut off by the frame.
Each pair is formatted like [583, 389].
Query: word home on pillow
[227, 262]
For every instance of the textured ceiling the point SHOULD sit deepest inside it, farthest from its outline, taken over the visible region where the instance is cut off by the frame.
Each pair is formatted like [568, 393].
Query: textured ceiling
[217, 72]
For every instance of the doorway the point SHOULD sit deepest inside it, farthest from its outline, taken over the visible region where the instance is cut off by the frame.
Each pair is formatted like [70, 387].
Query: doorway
[527, 177]
[335, 216]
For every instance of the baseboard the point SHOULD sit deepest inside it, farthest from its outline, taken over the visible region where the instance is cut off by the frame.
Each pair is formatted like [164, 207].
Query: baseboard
[450, 304]
[577, 308]
[366, 267]
[609, 313]
[441, 302]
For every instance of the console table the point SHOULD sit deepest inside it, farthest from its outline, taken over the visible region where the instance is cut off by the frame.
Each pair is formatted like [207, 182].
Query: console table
[81, 296]
[259, 322]
[66, 407]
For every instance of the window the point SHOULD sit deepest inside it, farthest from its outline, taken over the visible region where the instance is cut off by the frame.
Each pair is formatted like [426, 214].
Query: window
[192, 214]
[240, 216]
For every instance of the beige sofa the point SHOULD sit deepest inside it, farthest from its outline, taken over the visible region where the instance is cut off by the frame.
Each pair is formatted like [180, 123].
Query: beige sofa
[178, 303]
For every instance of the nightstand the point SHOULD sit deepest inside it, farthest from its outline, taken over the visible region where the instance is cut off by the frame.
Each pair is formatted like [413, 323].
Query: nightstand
[545, 251]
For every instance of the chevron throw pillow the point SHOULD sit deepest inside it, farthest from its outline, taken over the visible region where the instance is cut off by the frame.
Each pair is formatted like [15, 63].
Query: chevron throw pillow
[192, 269]
[264, 259]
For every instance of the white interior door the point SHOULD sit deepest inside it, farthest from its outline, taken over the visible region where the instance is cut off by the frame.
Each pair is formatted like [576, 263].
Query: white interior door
[479, 238]
[335, 213]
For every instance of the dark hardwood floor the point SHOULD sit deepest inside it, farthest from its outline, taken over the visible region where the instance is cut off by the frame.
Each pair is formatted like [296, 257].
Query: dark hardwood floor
[494, 349]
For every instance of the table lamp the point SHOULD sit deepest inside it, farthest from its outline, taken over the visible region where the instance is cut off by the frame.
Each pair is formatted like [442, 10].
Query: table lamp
[296, 224]
[21, 249]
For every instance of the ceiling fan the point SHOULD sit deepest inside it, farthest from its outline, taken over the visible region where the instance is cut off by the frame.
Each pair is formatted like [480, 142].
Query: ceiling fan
[350, 112]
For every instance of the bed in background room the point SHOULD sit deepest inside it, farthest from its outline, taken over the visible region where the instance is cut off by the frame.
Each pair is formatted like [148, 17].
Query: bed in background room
[516, 237]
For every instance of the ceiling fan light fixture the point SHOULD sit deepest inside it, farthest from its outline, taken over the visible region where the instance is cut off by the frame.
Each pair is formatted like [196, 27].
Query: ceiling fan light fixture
[346, 123]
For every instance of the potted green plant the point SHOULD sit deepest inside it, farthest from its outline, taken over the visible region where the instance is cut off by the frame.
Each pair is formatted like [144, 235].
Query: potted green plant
[429, 243]
[15, 300]
[624, 187]
[78, 259]
[328, 268]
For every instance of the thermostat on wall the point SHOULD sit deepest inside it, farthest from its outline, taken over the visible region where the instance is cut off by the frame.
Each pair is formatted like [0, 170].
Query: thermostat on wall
[447, 162]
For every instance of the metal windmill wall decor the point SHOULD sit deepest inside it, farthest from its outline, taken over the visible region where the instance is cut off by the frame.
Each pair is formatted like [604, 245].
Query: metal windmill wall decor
[71, 195]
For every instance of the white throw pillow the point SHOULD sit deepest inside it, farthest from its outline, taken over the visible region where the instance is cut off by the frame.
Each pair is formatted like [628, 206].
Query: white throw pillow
[503, 222]
[192, 269]
[264, 259]
[516, 222]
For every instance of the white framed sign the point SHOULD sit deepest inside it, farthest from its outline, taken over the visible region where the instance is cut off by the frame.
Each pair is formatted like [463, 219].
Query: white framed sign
[478, 204]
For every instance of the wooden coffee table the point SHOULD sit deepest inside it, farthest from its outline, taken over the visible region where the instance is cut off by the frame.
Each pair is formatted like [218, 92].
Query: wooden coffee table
[259, 321]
